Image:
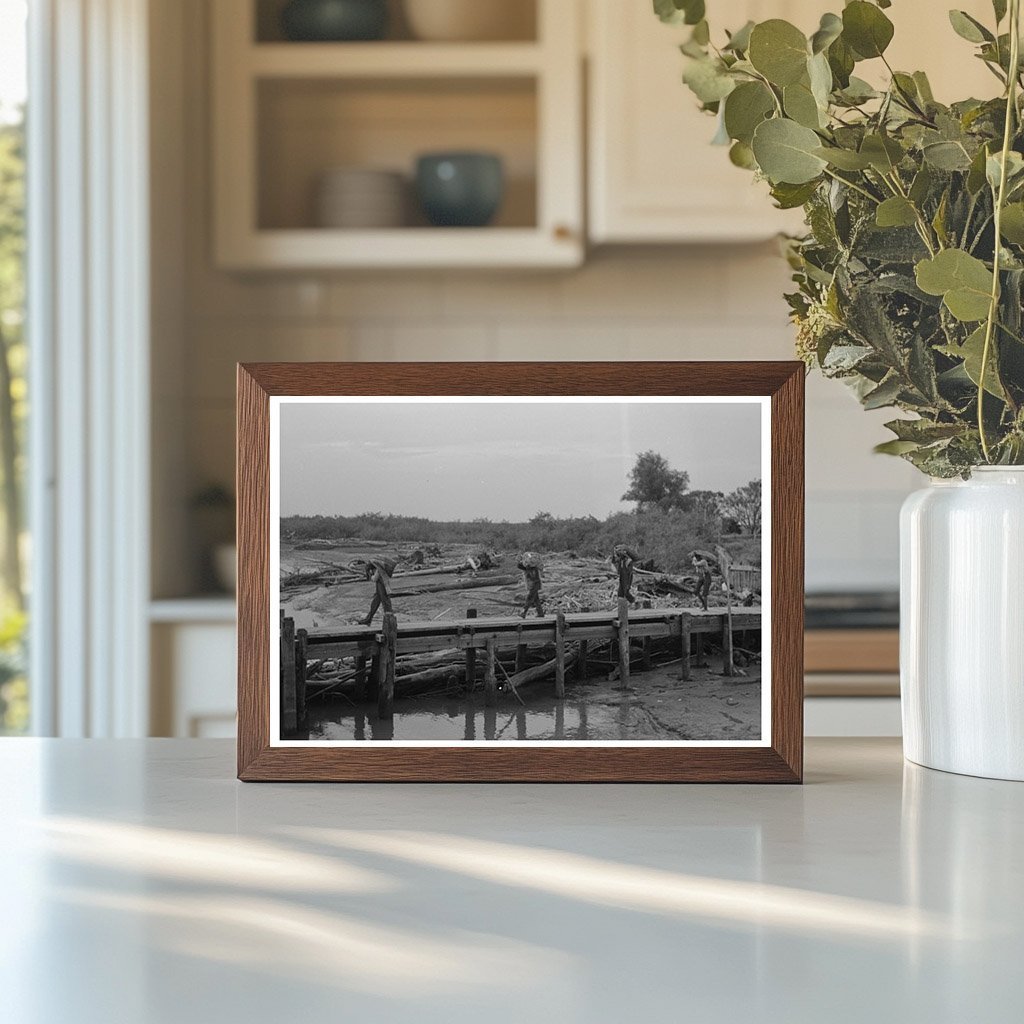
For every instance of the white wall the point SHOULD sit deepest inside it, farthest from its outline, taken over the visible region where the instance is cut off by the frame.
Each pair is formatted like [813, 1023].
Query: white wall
[669, 303]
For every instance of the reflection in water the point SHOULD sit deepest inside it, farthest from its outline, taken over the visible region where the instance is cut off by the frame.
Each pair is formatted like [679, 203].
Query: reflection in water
[542, 719]
[382, 728]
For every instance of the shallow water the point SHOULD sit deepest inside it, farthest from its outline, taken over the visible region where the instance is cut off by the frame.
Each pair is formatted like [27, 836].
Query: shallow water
[457, 719]
[583, 715]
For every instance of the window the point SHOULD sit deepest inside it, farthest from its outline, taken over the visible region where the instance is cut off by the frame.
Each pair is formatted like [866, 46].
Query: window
[14, 704]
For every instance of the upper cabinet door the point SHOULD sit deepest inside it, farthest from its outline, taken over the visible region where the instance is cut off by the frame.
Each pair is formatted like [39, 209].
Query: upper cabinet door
[654, 175]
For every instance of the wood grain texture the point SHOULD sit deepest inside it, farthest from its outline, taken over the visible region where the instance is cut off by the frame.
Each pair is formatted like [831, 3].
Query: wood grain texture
[852, 650]
[781, 762]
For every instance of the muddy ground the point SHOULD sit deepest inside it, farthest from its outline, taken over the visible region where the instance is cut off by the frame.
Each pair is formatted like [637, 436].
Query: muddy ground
[656, 705]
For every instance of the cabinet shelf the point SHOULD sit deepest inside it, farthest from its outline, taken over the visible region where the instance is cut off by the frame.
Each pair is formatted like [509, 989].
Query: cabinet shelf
[393, 60]
[310, 248]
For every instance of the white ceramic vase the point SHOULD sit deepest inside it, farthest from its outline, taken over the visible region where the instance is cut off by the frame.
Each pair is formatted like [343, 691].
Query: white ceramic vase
[962, 624]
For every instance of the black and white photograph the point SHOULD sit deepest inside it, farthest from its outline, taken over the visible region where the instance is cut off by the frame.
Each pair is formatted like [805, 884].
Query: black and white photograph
[520, 570]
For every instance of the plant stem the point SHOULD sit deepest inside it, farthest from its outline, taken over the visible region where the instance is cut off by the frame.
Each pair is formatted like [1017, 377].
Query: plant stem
[1000, 199]
[922, 225]
[856, 188]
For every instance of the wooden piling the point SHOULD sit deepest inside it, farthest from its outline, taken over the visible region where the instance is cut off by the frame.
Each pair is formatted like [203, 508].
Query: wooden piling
[386, 681]
[490, 679]
[685, 634]
[727, 647]
[581, 672]
[301, 659]
[289, 698]
[374, 680]
[623, 642]
[470, 657]
[646, 645]
[560, 656]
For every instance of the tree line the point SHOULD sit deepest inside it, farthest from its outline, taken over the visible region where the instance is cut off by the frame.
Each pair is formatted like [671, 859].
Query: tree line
[669, 523]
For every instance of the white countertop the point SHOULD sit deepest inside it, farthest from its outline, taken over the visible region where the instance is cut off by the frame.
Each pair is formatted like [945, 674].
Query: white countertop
[141, 884]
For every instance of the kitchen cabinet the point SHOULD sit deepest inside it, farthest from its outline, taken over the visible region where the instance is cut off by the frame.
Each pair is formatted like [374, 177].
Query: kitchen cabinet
[653, 175]
[192, 649]
[287, 113]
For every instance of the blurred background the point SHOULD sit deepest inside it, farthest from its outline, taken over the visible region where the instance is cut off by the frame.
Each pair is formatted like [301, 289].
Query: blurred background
[250, 180]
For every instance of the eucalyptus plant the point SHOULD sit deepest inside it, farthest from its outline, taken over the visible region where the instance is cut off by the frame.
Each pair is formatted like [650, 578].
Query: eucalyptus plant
[910, 278]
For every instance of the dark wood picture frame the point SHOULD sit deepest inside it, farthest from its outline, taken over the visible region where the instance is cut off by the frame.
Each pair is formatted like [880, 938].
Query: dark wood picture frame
[781, 761]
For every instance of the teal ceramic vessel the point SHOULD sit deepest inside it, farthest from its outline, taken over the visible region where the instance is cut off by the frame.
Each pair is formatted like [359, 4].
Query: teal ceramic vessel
[334, 21]
[461, 190]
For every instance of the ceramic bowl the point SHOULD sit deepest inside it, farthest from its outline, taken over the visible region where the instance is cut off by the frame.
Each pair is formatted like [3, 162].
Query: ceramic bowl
[358, 197]
[334, 20]
[460, 189]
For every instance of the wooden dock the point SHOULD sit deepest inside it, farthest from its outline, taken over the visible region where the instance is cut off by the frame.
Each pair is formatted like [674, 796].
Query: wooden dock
[381, 645]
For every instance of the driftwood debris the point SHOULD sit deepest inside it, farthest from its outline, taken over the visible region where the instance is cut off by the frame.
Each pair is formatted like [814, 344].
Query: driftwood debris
[466, 583]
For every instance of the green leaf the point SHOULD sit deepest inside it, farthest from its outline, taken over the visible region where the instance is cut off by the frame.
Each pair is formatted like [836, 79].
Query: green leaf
[789, 197]
[708, 80]
[741, 155]
[676, 12]
[963, 281]
[778, 50]
[1014, 169]
[785, 152]
[971, 352]
[841, 60]
[858, 91]
[801, 106]
[896, 447]
[923, 431]
[922, 185]
[1012, 226]
[746, 107]
[830, 29]
[939, 220]
[969, 28]
[844, 159]
[976, 174]
[924, 87]
[896, 212]
[947, 156]
[820, 76]
[885, 394]
[866, 29]
[883, 153]
[739, 41]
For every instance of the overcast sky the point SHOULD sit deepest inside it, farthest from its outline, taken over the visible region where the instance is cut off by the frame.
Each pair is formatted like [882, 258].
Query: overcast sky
[459, 461]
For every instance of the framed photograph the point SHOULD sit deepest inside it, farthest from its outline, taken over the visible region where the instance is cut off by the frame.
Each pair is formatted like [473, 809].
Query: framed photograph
[517, 572]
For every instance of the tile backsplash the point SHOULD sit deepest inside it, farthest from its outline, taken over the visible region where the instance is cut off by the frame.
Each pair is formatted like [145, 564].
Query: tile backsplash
[699, 303]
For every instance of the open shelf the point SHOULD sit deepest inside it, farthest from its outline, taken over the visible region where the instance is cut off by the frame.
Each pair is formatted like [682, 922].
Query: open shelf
[288, 113]
[308, 127]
